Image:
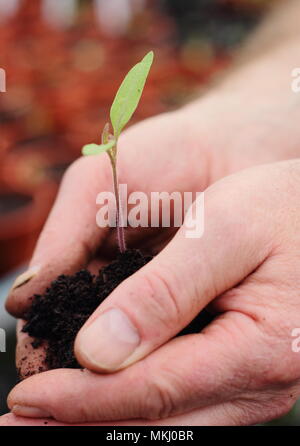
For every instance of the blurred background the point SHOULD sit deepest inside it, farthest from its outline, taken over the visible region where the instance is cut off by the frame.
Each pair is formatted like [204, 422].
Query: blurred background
[64, 60]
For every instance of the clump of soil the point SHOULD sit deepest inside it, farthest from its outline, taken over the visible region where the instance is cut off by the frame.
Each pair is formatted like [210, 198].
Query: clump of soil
[55, 317]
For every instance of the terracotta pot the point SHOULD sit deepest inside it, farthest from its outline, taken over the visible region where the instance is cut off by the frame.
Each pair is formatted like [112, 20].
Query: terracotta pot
[21, 219]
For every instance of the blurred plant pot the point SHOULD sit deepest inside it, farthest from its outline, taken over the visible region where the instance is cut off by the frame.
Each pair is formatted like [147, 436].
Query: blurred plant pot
[22, 216]
[9, 128]
[30, 164]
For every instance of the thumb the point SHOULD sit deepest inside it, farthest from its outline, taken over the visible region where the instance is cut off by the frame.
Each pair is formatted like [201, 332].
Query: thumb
[158, 301]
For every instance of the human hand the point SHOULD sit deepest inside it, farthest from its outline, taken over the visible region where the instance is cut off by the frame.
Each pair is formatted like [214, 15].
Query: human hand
[186, 150]
[241, 368]
[253, 119]
[71, 240]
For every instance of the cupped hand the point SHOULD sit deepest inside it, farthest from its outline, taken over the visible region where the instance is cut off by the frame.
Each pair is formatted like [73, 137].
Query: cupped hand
[241, 369]
[186, 150]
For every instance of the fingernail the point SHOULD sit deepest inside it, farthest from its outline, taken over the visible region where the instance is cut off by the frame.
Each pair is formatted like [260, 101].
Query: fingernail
[25, 277]
[29, 412]
[109, 340]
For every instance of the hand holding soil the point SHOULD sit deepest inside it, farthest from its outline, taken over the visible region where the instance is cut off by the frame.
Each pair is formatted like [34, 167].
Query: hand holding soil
[247, 266]
[241, 368]
[71, 241]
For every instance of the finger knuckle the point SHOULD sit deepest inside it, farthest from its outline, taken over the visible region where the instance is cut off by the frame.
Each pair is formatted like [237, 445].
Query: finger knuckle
[162, 300]
[158, 402]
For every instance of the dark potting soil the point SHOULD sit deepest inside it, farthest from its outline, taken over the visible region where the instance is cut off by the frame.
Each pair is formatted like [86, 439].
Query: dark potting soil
[55, 317]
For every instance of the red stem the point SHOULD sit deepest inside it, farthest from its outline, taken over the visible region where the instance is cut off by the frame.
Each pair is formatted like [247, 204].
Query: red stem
[119, 214]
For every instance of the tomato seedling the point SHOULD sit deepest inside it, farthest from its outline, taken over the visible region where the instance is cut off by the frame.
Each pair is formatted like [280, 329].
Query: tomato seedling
[122, 109]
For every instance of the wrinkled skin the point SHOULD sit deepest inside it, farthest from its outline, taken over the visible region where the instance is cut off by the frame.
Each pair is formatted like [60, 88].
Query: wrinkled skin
[241, 369]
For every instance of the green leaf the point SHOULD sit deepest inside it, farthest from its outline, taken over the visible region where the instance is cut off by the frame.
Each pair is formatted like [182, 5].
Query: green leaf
[129, 94]
[96, 149]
